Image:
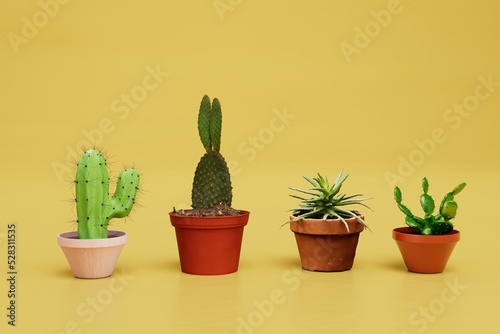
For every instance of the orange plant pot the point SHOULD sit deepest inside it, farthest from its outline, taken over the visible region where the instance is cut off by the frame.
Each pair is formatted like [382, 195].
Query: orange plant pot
[425, 254]
[326, 245]
[92, 258]
[209, 245]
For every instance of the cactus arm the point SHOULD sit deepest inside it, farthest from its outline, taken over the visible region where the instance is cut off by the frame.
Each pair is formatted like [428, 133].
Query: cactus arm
[448, 197]
[427, 204]
[405, 210]
[124, 197]
[425, 185]
[204, 123]
[449, 210]
[451, 195]
[411, 222]
[459, 188]
[399, 198]
[216, 125]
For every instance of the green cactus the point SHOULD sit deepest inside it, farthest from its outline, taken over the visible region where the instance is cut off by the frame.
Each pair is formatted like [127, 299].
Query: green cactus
[431, 224]
[212, 181]
[94, 207]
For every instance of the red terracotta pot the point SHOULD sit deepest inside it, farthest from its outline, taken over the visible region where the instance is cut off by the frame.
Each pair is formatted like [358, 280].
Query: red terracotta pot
[209, 245]
[326, 245]
[425, 254]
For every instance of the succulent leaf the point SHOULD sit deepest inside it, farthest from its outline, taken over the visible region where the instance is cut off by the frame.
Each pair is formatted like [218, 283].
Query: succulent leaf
[326, 201]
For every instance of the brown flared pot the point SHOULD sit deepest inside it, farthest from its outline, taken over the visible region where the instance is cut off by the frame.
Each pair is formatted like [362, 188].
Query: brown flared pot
[325, 245]
[425, 254]
[209, 245]
[92, 258]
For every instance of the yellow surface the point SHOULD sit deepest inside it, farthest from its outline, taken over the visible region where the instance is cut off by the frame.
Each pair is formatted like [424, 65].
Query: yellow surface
[305, 87]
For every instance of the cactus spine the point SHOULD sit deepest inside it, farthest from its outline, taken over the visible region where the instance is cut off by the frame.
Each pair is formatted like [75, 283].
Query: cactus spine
[94, 207]
[212, 181]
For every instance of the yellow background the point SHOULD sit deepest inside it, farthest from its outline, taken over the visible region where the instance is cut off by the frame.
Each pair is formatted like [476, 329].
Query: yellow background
[363, 111]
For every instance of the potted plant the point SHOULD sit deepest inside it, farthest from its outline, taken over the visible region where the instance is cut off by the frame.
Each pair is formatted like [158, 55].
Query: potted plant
[209, 235]
[92, 250]
[326, 232]
[427, 243]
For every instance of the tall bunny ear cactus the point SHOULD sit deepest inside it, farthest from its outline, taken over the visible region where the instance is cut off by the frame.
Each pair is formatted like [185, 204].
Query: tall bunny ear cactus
[212, 181]
[94, 207]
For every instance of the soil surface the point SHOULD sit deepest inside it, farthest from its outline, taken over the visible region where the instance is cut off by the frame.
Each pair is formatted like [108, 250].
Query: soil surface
[219, 210]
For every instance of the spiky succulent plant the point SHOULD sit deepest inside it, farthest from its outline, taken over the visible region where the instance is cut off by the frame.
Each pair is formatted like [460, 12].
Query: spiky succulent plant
[327, 202]
[431, 224]
[212, 181]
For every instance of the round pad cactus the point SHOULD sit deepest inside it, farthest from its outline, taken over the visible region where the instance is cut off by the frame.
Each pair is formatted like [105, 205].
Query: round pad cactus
[212, 181]
[212, 184]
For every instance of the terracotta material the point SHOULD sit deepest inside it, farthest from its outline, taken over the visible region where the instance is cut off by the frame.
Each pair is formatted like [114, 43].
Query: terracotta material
[92, 258]
[209, 245]
[426, 254]
[326, 245]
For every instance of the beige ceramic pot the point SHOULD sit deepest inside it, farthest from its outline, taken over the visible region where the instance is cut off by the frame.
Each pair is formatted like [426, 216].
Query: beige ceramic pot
[92, 258]
[325, 245]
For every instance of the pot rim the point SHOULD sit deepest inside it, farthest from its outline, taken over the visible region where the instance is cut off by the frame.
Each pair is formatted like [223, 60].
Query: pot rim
[70, 239]
[209, 222]
[408, 234]
[326, 227]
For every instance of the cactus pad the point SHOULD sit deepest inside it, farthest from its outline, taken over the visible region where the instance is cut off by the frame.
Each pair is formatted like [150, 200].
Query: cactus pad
[212, 183]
